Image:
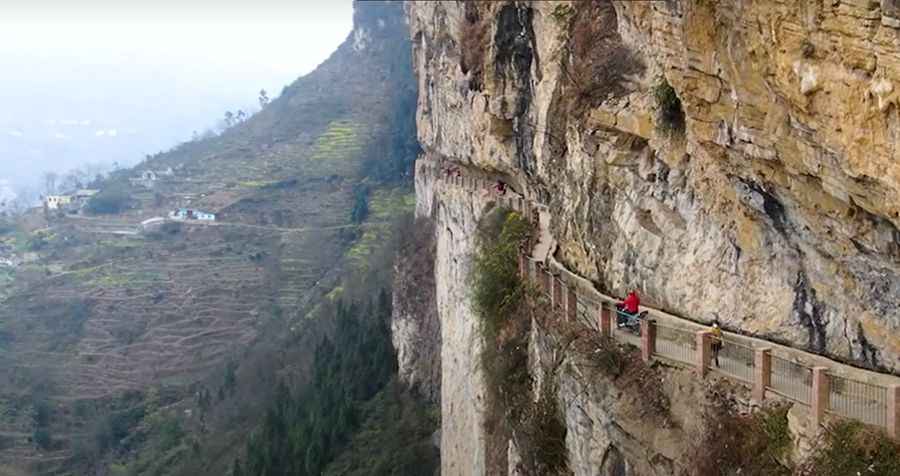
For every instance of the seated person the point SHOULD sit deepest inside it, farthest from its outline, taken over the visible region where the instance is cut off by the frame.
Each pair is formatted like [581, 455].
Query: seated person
[631, 303]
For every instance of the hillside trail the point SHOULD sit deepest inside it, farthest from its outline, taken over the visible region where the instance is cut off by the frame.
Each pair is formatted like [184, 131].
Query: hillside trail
[133, 226]
[546, 244]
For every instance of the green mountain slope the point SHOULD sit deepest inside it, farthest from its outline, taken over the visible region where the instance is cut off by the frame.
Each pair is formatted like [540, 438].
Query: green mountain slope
[114, 341]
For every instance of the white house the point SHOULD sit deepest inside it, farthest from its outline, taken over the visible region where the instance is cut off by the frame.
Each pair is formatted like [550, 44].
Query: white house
[85, 194]
[147, 179]
[55, 202]
[191, 214]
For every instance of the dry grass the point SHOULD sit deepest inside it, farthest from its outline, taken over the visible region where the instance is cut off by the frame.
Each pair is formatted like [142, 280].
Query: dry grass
[599, 63]
[733, 443]
[622, 364]
[848, 447]
[502, 128]
[473, 34]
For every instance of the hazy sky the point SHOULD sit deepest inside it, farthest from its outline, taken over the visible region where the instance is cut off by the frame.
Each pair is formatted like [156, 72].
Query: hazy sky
[97, 80]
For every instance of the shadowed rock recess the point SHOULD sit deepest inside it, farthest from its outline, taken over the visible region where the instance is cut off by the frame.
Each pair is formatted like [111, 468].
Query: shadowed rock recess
[732, 160]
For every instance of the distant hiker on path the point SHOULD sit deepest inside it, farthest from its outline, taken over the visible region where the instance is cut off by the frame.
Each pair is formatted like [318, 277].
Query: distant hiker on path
[716, 335]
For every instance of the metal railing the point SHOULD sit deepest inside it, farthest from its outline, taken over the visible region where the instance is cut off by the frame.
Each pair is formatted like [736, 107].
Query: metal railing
[675, 344]
[559, 293]
[587, 311]
[735, 359]
[545, 281]
[791, 380]
[623, 334]
[858, 400]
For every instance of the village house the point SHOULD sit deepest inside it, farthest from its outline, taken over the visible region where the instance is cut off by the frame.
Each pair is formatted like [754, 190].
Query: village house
[191, 214]
[149, 178]
[8, 257]
[56, 202]
[71, 202]
[83, 195]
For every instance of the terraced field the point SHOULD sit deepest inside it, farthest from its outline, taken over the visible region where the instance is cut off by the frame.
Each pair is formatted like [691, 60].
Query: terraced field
[113, 312]
[384, 204]
[105, 316]
[335, 149]
[153, 314]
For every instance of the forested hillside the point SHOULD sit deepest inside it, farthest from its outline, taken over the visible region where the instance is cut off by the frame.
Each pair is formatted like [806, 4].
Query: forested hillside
[131, 344]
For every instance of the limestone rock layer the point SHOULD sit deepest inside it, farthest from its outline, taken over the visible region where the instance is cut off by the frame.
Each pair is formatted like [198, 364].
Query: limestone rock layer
[732, 160]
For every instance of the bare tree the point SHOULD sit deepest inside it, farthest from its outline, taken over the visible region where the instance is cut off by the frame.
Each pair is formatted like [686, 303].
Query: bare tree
[50, 182]
[72, 181]
[263, 98]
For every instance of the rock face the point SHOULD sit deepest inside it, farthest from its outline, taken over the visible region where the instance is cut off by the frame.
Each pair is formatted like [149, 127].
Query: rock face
[732, 160]
[415, 327]
[456, 215]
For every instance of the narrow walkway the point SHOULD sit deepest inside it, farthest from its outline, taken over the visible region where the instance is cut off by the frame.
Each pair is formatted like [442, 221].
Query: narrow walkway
[857, 393]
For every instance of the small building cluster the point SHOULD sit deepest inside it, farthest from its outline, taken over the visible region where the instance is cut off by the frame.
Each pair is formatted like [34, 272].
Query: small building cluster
[71, 202]
[191, 214]
[148, 178]
[55, 202]
[8, 256]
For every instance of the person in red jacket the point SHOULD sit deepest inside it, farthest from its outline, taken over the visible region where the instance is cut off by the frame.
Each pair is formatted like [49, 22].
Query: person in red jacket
[631, 304]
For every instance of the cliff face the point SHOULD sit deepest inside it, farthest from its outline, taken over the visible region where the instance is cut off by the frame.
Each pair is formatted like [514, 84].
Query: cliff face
[415, 328]
[455, 214]
[732, 160]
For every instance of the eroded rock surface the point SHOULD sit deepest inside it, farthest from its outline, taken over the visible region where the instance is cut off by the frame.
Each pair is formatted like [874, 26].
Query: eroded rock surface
[774, 207]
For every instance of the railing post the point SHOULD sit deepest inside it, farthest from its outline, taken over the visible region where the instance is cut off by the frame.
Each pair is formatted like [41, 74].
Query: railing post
[557, 292]
[819, 398]
[762, 373]
[703, 351]
[571, 304]
[605, 320]
[648, 339]
[547, 285]
[893, 411]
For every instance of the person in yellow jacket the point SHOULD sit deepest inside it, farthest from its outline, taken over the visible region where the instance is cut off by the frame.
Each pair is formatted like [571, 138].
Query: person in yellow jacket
[716, 340]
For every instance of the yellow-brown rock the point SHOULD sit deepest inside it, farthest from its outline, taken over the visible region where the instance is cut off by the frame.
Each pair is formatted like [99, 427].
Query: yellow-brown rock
[775, 209]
